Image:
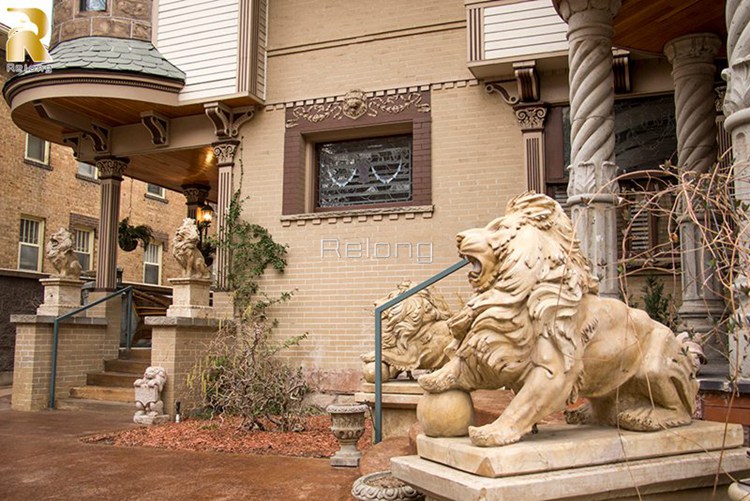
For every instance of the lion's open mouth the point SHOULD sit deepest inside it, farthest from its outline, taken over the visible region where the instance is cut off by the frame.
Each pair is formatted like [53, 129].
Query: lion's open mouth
[476, 268]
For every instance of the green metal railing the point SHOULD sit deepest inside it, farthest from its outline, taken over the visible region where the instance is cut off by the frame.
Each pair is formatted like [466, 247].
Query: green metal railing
[379, 339]
[127, 292]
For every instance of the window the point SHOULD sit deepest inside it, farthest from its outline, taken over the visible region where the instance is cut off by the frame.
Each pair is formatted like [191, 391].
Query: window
[93, 5]
[86, 170]
[155, 190]
[364, 171]
[37, 150]
[152, 264]
[84, 242]
[30, 244]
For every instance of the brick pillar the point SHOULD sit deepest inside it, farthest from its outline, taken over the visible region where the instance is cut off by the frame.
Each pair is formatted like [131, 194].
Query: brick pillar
[111, 170]
[225, 152]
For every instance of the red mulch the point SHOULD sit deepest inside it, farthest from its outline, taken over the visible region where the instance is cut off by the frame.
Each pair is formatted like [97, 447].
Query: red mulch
[226, 435]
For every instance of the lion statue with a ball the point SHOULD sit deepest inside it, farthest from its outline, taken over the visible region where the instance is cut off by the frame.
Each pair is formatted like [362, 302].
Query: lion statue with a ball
[536, 325]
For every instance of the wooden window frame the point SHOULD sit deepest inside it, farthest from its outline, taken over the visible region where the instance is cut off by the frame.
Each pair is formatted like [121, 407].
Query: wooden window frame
[90, 238]
[29, 159]
[160, 254]
[39, 245]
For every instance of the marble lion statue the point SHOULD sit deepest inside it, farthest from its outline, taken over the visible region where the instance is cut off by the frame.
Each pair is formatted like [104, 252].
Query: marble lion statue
[536, 325]
[185, 250]
[153, 381]
[60, 252]
[415, 334]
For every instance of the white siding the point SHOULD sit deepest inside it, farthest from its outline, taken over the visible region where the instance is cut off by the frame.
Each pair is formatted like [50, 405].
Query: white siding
[200, 38]
[523, 29]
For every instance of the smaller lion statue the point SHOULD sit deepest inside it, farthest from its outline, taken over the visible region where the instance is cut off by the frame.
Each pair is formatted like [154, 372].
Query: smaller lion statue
[148, 393]
[60, 252]
[415, 334]
[185, 250]
[536, 325]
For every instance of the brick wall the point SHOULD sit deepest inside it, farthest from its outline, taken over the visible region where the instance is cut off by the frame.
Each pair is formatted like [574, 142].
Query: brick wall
[18, 294]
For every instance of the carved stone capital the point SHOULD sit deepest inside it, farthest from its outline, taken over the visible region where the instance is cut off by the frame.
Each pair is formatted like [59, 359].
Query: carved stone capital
[692, 49]
[569, 8]
[531, 118]
[737, 95]
[587, 180]
[227, 121]
[225, 152]
[111, 167]
[195, 193]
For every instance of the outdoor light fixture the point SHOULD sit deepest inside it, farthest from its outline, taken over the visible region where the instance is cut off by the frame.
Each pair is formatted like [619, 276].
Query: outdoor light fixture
[204, 215]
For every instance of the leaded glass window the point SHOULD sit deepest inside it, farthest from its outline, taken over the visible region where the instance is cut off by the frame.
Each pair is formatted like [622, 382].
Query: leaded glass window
[93, 5]
[364, 171]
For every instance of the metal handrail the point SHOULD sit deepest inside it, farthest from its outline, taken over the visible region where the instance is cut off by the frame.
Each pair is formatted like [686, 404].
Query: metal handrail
[379, 339]
[128, 291]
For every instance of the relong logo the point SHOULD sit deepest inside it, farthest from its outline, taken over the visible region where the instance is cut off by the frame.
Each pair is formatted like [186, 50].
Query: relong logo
[27, 38]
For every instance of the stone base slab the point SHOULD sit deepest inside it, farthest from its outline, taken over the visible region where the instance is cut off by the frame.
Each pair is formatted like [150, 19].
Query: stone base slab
[562, 447]
[684, 477]
[190, 292]
[190, 311]
[348, 459]
[147, 420]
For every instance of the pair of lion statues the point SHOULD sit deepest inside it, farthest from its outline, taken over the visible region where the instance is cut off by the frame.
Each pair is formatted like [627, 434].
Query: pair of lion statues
[536, 325]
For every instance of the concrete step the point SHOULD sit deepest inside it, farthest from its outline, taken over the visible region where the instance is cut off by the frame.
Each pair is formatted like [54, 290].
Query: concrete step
[135, 354]
[134, 367]
[81, 404]
[103, 393]
[112, 379]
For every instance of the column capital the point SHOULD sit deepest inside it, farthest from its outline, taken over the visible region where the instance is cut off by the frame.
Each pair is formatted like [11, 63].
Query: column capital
[692, 49]
[195, 193]
[225, 152]
[531, 117]
[111, 167]
[600, 8]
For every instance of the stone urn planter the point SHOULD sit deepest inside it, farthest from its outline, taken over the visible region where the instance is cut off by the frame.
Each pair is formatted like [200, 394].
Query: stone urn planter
[347, 425]
[383, 486]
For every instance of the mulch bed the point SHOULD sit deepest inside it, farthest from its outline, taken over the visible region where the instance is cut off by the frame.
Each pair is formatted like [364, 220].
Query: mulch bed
[226, 435]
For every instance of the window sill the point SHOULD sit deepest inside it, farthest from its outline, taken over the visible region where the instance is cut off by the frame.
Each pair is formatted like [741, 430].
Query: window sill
[361, 215]
[155, 198]
[36, 163]
[88, 179]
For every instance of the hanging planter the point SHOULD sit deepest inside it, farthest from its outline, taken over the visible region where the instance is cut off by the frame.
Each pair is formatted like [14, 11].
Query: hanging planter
[128, 235]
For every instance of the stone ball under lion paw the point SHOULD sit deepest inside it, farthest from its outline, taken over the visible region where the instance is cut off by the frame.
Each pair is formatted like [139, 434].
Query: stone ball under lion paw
[447, 414]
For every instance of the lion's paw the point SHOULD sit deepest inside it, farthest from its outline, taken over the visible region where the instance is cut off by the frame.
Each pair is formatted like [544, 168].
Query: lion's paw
[437, 382]
[579, 415]
[492, 435]
[651, 419]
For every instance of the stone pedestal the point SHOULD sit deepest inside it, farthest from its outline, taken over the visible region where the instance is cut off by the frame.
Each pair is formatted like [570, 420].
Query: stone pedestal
[563, 462]
[61, 295]
[400, 400]
[347, 425]
[190, 297]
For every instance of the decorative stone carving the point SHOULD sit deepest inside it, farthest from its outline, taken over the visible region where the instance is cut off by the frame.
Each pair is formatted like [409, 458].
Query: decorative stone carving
[99, 135]
[535, 324]
[158, 126]
[224, 152]
[347, 425]
[621, 70]
[111, 168]
[227, 121]
[186, 252]
[60, 253]
[355, 104]
[527, 80]
[415, 334]
[383, 485]
[148, 403]
[531, 117]
[497, 88]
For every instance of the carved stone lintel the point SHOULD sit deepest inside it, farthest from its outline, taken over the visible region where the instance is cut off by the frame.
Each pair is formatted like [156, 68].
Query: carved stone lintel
[99, 135]
[621, 70]
[527, 80]
[158, 127]
[195, 193]
[531, 118]
[74, 141]
[111, 167]
[225, 152]
[497, 88]
[227, 121]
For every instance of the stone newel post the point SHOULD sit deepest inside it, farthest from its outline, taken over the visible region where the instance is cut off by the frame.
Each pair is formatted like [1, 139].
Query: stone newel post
[592, 193]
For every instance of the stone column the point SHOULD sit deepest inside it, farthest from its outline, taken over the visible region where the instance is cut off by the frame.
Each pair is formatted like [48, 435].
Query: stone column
[592, 193]
[224, 152]
[531, 119]
[196, 195]
[111, 170]
[692, 58]
[737, 123]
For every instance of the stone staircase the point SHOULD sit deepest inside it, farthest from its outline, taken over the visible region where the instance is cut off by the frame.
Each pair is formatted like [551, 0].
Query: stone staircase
[112, 389]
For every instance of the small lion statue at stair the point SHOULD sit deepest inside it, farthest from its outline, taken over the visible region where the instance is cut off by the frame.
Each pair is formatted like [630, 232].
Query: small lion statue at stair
[148, 403]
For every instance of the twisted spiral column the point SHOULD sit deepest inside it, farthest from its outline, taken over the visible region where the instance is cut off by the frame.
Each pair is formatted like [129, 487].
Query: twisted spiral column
[737, 123]
[592, 193]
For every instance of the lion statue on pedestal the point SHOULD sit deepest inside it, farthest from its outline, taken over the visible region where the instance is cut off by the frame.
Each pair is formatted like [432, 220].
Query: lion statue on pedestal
[185, 250]
[415, 334]
[536, 325]
[60, 251]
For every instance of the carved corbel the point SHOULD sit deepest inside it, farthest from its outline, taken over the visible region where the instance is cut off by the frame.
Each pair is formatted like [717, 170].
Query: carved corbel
[497, 88]
[99, 135]
[621, 70]
[527, 80]
[158, 127]
[227, 121]
[73, 140]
